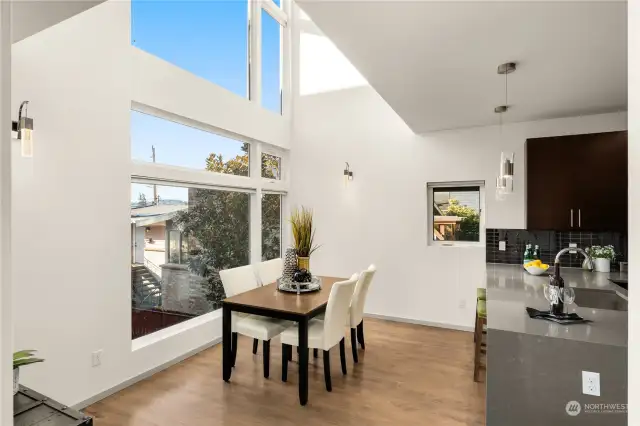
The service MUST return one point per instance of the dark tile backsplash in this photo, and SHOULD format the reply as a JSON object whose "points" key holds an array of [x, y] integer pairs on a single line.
{"points": [[550, 243]]}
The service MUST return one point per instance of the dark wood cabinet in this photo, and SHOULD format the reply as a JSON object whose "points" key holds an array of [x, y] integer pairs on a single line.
{"points": [[577, 182]]}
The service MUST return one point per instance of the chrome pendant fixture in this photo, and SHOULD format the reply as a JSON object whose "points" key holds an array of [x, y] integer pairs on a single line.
{"points": [[504, 181]]}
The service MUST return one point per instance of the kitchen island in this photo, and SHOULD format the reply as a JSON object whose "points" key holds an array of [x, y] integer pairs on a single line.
{"points": [[534, 367]]}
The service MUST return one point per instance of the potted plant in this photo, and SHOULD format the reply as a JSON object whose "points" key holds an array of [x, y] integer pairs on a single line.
{"points": [[303, 235], [602, 257], [22, 358]]}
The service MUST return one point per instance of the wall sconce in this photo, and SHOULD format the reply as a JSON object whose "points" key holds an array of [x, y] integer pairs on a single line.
{"points": [[348, 174], [24, 127]]}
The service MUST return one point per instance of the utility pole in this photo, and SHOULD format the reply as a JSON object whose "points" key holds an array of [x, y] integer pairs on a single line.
{"points": [[155, 188]]}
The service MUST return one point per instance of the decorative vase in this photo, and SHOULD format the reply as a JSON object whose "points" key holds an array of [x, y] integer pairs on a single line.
{"points": [[602, 265], [16, 380], [303, 263], [290, 265]]}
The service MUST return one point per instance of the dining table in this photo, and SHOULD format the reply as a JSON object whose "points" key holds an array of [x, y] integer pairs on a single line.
{"points": [[270, 302]]}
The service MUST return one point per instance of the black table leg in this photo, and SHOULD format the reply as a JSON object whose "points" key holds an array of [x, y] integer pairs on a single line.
{"points": [[303, 360], [234, 348], [226, 343], [266, 355]]}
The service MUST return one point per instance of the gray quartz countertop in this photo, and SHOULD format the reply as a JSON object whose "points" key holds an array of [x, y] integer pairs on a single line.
{"points": [[510, 289]]}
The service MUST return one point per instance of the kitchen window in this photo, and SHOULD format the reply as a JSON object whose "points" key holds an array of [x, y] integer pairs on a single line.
{"points": [[456, 213]]}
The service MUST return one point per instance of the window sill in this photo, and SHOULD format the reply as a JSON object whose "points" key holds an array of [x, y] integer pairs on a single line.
{"points": [[458, 245], [153, 338]]}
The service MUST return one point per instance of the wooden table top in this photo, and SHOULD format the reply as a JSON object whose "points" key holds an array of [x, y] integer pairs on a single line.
{"points": [[269, 297]]}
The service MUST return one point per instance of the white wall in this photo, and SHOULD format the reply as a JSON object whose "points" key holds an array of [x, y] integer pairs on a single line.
{"points": [[71, 245], [634, 205], [381, 216]]}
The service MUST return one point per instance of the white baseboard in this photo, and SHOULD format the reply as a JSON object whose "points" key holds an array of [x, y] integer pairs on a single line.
{"points": [[102, 395], [421, 322]]}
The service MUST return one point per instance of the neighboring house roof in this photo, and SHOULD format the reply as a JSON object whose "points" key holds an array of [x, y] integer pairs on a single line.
{"points": [[144, 216], [446, 219]]}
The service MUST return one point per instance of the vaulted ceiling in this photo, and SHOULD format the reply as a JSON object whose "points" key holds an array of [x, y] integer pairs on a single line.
{"points": [[30, 17], [435, 62]]}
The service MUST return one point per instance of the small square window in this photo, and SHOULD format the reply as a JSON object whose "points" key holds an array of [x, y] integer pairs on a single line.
{"points": [[456, 213], [271, 166]]}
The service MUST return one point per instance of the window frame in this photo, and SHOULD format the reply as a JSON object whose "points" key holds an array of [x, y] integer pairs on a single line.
{"points": [[430, 186], [143, 172], [254, 25], [254, 184], [183, 121], [281, 14], [277, 152], [282, 230]]}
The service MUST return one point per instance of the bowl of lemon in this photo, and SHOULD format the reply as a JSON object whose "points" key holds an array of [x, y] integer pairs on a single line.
{"points": [[536, 267]]}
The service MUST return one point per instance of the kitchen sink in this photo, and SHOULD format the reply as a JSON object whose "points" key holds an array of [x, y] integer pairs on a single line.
{"points": [[599, 299], [622, 283]]}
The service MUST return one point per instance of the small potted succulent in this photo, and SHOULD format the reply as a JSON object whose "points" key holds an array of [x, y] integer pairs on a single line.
{"points": [[22, 358], [602, 257]]}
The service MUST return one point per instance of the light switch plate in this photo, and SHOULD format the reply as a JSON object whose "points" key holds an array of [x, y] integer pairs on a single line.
{"points": [[502, 245], [590, 383], [573, 245]]}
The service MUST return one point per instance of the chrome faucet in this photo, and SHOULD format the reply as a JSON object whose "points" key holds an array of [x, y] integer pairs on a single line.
{"points": [[579, 250], [556, 282]]}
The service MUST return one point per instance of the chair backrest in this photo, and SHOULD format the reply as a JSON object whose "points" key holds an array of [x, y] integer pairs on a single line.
{"points": [[238, 280], [337, 311], [269, 271], [359, 296]]}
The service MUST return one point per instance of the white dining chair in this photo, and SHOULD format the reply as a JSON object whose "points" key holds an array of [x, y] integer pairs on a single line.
{"points": [[324, 334], [269, 271], [355, 320], [236, 281], [356, 311]]}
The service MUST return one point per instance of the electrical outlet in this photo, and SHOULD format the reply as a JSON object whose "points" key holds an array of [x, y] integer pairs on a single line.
{"points": [[462, 304], [502, 245], [96, 358], [573, 245], [590, 383]]}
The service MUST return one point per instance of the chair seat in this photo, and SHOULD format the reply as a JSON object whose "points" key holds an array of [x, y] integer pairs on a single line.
{"points": [[258, 327], [481, 293], [315, 335]]}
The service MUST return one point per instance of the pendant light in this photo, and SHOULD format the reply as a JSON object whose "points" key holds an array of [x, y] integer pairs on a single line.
{"points": [[504, 181]]}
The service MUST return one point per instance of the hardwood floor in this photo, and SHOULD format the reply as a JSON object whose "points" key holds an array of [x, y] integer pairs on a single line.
{"points": [[408, 375]]}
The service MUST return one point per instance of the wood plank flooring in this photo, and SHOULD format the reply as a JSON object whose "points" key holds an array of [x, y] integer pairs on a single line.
{"points": [[408, 375]]}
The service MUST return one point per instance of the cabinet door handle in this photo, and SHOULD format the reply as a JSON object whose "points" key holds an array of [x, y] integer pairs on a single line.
{"points": [[579, 219], [572, 218]]}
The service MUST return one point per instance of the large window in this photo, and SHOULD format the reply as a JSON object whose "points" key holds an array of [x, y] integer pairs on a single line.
{"points": [[179, 244], [206, 38], [162, 141], [455, 212], [271, 63], [271, 226]]}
